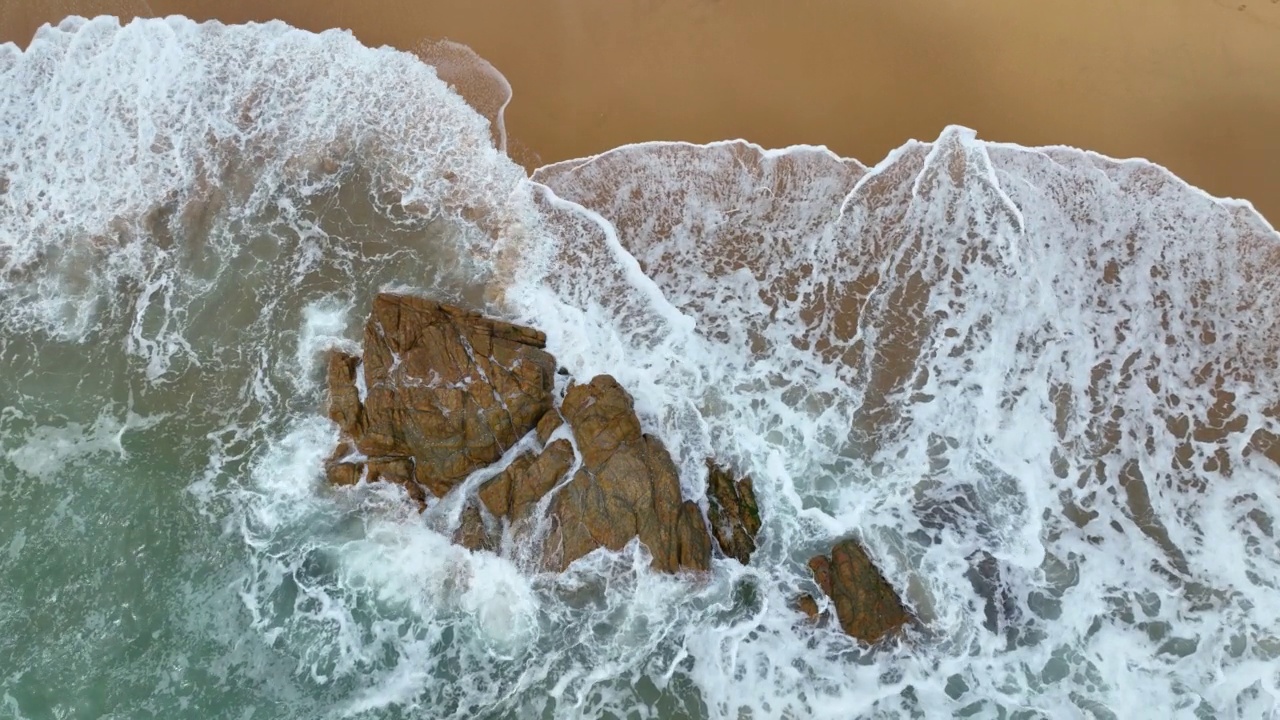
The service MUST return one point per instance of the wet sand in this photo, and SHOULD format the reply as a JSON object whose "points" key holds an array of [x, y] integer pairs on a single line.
{"points": [[1192, 84]]}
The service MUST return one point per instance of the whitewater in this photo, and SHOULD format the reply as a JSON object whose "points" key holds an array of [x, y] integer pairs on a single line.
{"points": [[1058, 361]]}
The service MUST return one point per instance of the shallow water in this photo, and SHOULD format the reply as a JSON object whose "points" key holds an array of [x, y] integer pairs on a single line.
{"points": [[1064, 360]]}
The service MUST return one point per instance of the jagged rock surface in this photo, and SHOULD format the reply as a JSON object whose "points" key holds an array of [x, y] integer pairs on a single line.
{"points": [[515, 492], [732, 510], [474, 533], [442, 392], [448, 391], [627, 487], [865, 604]]}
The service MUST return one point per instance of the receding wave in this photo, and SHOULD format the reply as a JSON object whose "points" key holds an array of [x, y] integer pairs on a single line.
{"points": [[1063, 362]]}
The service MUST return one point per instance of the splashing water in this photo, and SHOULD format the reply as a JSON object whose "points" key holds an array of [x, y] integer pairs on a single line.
{"points": [[1058, 362]]}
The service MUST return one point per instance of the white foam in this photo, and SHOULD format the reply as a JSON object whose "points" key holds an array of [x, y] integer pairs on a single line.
{"points": [[241, 190], [424, 570], [999, 278], [199, 127], [325, 327], [44, 450], [478, 82]]}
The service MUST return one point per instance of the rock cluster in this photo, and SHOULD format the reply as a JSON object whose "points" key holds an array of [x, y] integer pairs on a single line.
{"points": [[441, 392]]}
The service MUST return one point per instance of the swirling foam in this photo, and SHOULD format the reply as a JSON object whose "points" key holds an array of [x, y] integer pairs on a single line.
{"points": [[1069, 359]]}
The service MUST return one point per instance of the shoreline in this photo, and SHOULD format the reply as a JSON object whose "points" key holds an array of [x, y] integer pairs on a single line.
{"points": [[1188, 85]]}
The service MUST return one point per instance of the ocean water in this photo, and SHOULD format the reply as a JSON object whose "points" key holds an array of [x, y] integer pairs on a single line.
{"points": [[1062, 360]]}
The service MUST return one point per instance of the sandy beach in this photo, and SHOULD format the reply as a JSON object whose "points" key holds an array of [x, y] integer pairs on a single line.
{"points": [[1190, 84]]}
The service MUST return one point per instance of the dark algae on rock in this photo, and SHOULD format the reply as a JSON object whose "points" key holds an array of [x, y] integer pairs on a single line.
{"points": [[732, 510]]}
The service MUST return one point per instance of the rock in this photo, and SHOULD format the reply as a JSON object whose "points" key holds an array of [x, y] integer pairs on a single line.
{"points": [[398, 470], [448, 391], [473, 532], [627, 487], [547, 425], [495, 494], [514, 492], [692, 541], [441, 392], [866, 605], [341, 473], [344, 398], [732, 510], [807, 605]]}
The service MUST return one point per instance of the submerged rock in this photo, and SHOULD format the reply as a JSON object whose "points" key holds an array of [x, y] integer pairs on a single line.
{"points": [[957, 509], [865, 604], [732, 510], [442, 392], [627, 487], [1000, 607], [445, 392]]}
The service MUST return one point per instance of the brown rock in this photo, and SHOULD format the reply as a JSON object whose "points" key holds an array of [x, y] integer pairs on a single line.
{"points": [[473, 533], [341, 473], [692, 542], [732, 510], [398, 470], [627, 487], [515, 491], [865, 603], [820, 566], [495, 494], [344, 399], [549, 424], [448, 390], [807, 605]]}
